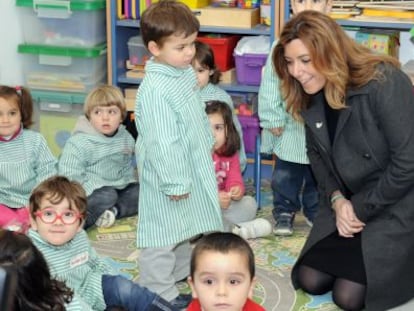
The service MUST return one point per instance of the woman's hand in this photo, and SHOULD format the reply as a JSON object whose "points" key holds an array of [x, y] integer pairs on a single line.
{"points": [[224, 199], [347, 222], [276, 131], [236, 193]]}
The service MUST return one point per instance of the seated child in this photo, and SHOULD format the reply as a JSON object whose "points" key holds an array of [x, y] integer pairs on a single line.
{"points": [[25, 158], [30, 284], [100, 156], [208, 77], [57, 211], [222, 271], [238, 210]]}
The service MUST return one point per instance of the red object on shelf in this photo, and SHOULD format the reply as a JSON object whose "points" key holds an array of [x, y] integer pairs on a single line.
{"points": [[223, 47]]}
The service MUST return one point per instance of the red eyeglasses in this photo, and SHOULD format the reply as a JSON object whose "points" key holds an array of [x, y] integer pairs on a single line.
{"points": [[50, 216]]}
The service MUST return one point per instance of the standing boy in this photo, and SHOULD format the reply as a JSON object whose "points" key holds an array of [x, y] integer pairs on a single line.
{"points": [[179, 197], [222, 274], [293, 183]]}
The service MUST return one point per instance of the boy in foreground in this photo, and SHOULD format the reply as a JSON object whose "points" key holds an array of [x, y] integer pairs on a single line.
{"points": [[222, 274]]}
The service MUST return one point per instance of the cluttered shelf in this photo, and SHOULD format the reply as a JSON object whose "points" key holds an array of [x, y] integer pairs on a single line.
{"points": [[232, 87], [259, 29], [401, 25]]}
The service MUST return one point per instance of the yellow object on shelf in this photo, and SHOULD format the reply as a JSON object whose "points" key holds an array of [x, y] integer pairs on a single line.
{"points": [[389, 13], [195, 4]]}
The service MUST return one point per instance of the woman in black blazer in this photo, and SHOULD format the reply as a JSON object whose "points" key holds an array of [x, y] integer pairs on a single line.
{"points": [[358, 110]]}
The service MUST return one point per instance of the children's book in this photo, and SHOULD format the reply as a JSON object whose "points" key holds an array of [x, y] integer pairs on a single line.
{"points": [[120, 9]]}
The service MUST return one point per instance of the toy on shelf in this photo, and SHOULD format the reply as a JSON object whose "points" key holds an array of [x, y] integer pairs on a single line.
{"points": [[244, 110]]}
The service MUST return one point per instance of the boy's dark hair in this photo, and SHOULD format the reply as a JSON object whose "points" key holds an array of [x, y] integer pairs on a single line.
{"points": [[35, 289], [22, 97], [222, 242], [232, 144], [57, 188], [167, 17], [205, 57]]}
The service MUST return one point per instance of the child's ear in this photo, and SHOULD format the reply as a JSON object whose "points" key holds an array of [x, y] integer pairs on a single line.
{"points": [[193, 290], [153, 48], [252, 285], [33, 223], [81, 224], [211, 72]]}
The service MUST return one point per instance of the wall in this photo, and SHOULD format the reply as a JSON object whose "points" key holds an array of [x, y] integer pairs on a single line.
{"points": [[10, 36]]}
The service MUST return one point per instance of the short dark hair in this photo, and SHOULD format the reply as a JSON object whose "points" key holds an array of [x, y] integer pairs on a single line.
{"points": [[223, 242], [232, 144], [57, 188], [35, 290], [167, 17], [205, 57]]}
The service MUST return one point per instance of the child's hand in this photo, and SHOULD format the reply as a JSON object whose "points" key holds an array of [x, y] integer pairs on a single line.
{"points": [[236, 193], [276, 131], [179, 197], [224, 199]]}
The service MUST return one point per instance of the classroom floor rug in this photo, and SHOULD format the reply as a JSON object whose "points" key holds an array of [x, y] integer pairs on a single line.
{"points": [[274, 256]]}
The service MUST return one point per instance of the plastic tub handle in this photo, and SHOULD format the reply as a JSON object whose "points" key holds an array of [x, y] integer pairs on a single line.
{"points": [[52, 8]]}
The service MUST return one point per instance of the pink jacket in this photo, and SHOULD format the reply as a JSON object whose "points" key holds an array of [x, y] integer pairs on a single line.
{"points": [[228, 173]]}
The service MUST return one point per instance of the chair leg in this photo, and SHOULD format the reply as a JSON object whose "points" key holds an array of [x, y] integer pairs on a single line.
{"points": [[257, 170]]}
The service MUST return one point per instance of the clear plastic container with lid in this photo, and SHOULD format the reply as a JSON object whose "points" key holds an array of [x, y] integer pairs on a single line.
{"points": [[79, 23]]}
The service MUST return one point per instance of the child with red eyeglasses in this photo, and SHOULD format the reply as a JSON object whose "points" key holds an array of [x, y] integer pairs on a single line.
{"points": [[57, 214]]}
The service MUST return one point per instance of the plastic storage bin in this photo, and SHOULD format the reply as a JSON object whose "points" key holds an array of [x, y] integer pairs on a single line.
{"points": [[63, 69], [55, 115], [138, 53], [223, 47], [249, 68], [63, 23], [251, 128]]}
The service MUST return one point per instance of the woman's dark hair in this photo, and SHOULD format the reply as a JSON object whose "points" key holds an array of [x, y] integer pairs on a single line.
{"points": [[205, 57], [232, 144], [35, 290]]}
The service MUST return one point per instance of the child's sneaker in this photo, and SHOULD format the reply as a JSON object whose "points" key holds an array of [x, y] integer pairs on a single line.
{"points": [[106, 220], [181, 301], [256, 228], [284, 224]]}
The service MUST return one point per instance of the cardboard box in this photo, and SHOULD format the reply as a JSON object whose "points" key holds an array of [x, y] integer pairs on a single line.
{"points": [[381, 42], [130, 96], [229, 76], [228, 17], [131, 92]]}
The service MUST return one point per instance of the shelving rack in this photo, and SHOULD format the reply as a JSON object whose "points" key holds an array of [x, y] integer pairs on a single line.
{"points": [[120, 30]]}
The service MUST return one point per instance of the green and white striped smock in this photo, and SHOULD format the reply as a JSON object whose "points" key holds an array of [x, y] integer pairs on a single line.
{"points": [[214, 92], [95, 160], [290, 146], [78, 265], [174, 148], [25, 161]]}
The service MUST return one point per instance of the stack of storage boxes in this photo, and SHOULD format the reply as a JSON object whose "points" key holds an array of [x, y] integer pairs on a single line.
{"points": [[64, 57]]}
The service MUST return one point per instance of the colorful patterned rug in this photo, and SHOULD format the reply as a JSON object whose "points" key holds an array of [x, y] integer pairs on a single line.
{"points": [[274, 259]]}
